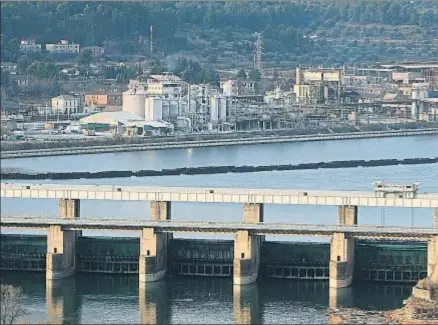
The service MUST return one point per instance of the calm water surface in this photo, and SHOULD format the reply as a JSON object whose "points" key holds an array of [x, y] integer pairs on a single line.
{"points": [[115, 299]]}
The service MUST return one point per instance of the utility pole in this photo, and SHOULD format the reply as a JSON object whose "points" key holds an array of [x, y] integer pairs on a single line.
{"points": [[258, 48], [151, 38]]}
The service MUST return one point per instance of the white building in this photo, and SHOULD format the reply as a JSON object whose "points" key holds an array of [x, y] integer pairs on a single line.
{"points": [[167, 85], [96, 51], [238, 87], [63, 47], [65, 104], [29, 46]]}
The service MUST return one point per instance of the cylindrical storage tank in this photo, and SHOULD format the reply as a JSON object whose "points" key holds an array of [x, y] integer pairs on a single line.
{"points": [[415, 94], [222, 109], [214, 108], [165, 109], [153, 108], [173, 107], [134, 102]]}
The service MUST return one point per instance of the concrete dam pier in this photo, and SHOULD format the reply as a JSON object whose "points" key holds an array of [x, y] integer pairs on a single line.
{"points": [[245, 258], [378, 261]]}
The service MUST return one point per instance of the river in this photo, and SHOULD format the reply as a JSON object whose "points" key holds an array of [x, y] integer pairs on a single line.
{"points": [[115, 299]]}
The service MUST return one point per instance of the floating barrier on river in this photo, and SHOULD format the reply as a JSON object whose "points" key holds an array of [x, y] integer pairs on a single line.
{"points": [[209, 170]]}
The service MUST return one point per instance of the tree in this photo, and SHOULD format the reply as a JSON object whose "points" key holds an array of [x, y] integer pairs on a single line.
{"points": [[139, 71], [43, 70], [10, 304], [157, 68], [241, 74], [84, 58], [23, 63], [255, 75]]}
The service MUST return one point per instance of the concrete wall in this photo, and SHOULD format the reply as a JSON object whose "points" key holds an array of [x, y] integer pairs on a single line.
{"points": [[253, 213], [61, 253], [341, 261], [432, 259], [246, 257], [69, 209], [347, 215], [160, 210], [153, 255]]}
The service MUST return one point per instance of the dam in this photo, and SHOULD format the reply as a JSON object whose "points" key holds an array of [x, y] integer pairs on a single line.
{"points": [[377, 261]]}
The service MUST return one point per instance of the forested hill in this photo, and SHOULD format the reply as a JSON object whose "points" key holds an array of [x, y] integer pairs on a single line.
{"points": [[325, 31]]}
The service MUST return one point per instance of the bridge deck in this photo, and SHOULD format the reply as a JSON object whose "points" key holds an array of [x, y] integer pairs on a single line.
{"points": [[213, 195], [362, 231]]}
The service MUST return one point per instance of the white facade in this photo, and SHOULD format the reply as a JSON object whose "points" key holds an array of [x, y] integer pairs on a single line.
{"points": [[153, 108], [63, 47], [229, 87], [27, 46], [134, 101], [168, 86], [222, 109], [218, 109], [214, 109], [65, 104]]}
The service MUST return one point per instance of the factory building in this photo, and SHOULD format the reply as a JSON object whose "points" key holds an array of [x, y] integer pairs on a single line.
{"points": [[124, 123], [318, 85], [167, 85], [233, 87], [103, 99], [424, 71]]}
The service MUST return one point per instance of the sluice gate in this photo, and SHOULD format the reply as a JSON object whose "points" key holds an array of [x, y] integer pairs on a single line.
{"points": [[375, 261]]}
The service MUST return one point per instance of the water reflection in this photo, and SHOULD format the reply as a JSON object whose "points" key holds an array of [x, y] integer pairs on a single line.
{"points": [[153, 301], [62, 302], [246, 304], [95, 298]]}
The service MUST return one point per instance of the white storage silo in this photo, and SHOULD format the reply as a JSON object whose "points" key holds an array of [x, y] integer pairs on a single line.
{"points": [[222, 113], [153, 108], [173, 108], [134, 101], [214, 108]]}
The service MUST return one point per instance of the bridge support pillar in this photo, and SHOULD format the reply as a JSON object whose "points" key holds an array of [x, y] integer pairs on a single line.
{"points": [[61, 253], [160, 210], [69, 208], [435, 218], [246, 257], [154, 303], [341, 261], [253, 212], [246, 304], [153, 255], [347, 215], [432, 259]]}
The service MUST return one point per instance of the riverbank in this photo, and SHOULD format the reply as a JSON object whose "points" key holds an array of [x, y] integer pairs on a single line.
{"points": [[172, 143], [415, 311]]}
